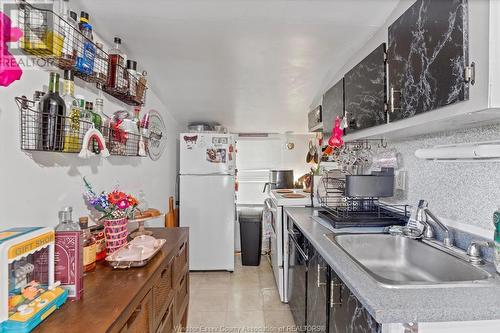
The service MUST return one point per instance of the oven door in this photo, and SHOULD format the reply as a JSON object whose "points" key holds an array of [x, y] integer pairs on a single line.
{"points": [[297, 276]]}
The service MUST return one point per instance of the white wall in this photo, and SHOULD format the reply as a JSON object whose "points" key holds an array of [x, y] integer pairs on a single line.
{"points": [[34, 186]]}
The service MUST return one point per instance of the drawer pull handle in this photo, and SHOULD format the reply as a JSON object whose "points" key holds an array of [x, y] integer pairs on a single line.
{"points": [[182, 280], [163, 272], [318, 282], [134, 315], [181, 248], [333, 285]]}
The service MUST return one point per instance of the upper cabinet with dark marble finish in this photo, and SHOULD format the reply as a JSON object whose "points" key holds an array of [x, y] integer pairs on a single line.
{"points": [[427, 56], [333, 106], [365, 91]]}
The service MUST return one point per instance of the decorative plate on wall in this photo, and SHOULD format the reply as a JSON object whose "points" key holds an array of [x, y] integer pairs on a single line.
{"points": [[157, 135]]}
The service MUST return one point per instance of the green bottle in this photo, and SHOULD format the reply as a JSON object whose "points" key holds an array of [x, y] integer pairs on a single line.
{"points": [[97, 120], [496, 220]]}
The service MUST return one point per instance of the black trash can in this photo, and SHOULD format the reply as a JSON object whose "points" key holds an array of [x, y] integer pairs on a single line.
{"points": [[250, 237]]}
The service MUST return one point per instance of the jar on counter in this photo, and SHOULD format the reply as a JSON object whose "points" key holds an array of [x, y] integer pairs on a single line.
{"points": [[89, 246]]}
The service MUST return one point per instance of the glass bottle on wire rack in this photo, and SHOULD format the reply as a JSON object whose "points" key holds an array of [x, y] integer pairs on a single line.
{"points": [[72, 119], [85, 61], [53, 111], [85, 115], [116, 70], [132, 78], [68, 27], [100, 65], [97, 120]]}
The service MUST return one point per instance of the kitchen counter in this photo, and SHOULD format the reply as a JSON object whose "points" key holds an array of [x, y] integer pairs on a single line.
{"points": [[111, 296], [388, 305]]}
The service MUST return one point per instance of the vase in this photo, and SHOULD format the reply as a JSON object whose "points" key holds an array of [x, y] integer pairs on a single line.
{"points": [[115, 232]]}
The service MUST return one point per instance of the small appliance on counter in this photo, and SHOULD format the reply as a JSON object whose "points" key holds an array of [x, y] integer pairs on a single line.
{"points": [[279, 179], [28, 292]]}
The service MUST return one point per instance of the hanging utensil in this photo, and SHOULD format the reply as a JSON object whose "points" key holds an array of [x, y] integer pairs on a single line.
{"points": [[310, 153]]}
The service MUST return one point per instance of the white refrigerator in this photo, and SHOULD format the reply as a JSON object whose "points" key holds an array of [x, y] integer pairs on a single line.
{"points": [[207, 199]]}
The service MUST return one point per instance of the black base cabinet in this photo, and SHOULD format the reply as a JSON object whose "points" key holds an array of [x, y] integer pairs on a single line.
{"points": [[346, 313], [317, 292]]}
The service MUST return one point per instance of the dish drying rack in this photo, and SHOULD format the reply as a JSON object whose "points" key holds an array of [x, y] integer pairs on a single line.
{"points": [[343, 211]]}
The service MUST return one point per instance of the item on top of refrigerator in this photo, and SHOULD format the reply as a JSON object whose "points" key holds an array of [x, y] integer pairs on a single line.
{"points": [[69, 252], [89, 246], [116, 68], [68, 27], [53, 111], [31, 293], [200, 127]]}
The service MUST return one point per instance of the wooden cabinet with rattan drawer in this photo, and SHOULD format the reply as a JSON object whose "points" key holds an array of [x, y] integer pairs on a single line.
{"points": [[149, 299]]}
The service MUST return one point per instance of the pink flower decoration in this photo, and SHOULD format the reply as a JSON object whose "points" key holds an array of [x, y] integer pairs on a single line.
{"points": [[9, 68], [123, 204]]}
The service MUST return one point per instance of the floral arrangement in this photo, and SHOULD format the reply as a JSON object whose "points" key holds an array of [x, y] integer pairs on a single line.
{"points": [[113, 205]]}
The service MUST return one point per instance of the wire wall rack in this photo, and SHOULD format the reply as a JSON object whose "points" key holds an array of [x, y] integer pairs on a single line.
{"points": [[49, 36], [55, 133]]}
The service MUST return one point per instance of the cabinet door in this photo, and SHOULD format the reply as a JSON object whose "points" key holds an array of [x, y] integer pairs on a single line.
{"points": [[347, 314], [317, 279], [297, 280], [333, 107], [365, 92], [427, 55]]}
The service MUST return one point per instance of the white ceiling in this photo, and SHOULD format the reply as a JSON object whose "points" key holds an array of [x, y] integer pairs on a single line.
{"points": [[252, 65]]}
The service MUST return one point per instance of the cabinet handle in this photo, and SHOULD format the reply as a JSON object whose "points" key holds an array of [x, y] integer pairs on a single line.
{"points": [[332, 287], [134, 316], [181, 248], [318, 282], [163, 272], [182, 280], [164, 319], [393, 92]]}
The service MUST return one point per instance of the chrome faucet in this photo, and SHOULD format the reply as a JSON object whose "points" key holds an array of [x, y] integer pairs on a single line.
{"points": [[423, 213]]}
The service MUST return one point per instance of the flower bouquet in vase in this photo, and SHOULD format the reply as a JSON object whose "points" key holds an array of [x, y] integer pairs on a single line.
{"points": [[116, 207]]}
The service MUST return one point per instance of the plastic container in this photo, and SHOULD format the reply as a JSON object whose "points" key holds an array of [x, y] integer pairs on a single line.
{"points": [[250, 237]]}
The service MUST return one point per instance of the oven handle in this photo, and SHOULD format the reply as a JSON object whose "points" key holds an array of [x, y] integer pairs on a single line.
{"points": [[296, 244]]}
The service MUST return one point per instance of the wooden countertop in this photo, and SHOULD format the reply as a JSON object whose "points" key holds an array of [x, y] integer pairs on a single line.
{"points": [[109, 294]]}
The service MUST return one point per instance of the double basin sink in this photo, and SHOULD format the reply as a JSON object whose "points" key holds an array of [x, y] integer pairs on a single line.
{"points": [[400, 262]]}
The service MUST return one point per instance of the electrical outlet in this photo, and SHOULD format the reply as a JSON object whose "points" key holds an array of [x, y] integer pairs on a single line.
{"points": [[401, 180]]}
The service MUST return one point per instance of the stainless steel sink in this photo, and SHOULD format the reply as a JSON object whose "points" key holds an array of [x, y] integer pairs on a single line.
{"points": [[396, 261]]}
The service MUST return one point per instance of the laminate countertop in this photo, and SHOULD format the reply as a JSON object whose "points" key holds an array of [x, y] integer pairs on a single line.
{"points": [[402, 305], [108, 293]]}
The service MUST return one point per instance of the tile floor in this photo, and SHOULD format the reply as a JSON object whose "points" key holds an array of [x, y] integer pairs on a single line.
{"points": [[245, 300]]}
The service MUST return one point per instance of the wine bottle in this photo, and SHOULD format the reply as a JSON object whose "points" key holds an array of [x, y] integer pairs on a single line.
{"points": [[53, 111]]}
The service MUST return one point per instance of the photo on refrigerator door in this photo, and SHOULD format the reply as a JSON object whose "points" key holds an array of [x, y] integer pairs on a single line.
{"points": [[216, 155]]}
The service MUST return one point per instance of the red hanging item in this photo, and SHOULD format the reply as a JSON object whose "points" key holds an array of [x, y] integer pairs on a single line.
{"points": [[335, 139]]}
